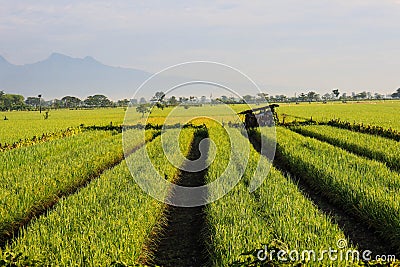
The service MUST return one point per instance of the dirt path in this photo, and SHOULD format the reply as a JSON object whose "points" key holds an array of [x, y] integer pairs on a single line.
{"points": [[355, 230], [181, 243]]}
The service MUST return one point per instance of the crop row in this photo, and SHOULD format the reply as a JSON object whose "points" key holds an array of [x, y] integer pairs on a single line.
{"points": [[108, 221], [364, 188], [369, 129], [45, 137], [26, 124], [276, 215], [370, 146], [32, 179], [376, 113]]}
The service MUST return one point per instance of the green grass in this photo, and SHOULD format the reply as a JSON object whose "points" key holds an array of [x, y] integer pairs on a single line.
{"points": [[108, 221], [378, 113], [111, 218], [26, 124], [370, 146], [173, 115], [276, 215], [34, 177], [364, 188]]}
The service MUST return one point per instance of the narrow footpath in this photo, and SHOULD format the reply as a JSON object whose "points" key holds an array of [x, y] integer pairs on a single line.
{"points": [[181, 242]]}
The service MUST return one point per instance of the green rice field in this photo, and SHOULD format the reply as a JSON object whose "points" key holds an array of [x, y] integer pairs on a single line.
{"points": [[87, 197]]}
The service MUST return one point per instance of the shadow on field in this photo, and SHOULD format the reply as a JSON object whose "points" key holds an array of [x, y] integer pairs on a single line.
{"points": [[358, 233], [180, 241]]}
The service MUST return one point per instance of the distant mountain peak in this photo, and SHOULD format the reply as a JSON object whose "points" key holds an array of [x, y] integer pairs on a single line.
{"points": [[64, 58], [60, 75], [3, 60], [91, 59], [57, 55]]}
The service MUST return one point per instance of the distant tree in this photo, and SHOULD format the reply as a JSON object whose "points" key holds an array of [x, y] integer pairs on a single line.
{"points": [[143, 108], [134, 101], [193, 99], [278, 98], [326, 97], [71, 101], [32, 101], [362, 95], [11, 102], [396, 94], [247, 98], [2, 100], [302, 97], [57, 103], [97, 101], [312, 96], [262, 97], [203, 99], [123, 103], [158, 100], [159, 96], [378, 96], [183, 99], [173, 101], [224, 98]]}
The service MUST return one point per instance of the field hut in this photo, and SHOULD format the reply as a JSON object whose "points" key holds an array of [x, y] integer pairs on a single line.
{"points": [[264, 116]]}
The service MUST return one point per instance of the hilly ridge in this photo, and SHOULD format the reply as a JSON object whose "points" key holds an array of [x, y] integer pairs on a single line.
{"points": [[61, 75]]}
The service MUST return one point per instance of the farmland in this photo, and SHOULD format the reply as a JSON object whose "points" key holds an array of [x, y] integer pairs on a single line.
{"points": [[99, 197], [379, 113], [26, 124]]}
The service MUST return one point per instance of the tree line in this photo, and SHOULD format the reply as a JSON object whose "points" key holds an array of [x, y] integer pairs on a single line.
{"points": [[18, 102], [312, 96], [160, 100]]}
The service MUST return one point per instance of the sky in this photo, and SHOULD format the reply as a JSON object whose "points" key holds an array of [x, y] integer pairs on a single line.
{"points": [[285, 46]]}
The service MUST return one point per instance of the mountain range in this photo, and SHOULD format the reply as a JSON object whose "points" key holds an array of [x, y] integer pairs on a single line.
{"points": [[60, 75]]}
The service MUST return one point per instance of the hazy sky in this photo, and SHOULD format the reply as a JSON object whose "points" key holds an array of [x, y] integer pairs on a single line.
{"points": [[353, 45]]}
